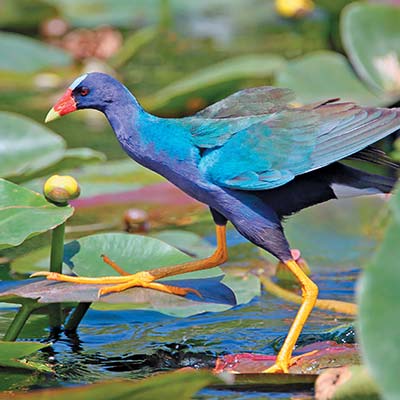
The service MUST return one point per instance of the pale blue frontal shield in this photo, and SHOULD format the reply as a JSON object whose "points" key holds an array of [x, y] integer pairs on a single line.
{"points": [[77, 81]]}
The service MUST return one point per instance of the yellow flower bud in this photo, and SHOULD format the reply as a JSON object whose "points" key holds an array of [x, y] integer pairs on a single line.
{"points": [[60, 189], [294, 8]]}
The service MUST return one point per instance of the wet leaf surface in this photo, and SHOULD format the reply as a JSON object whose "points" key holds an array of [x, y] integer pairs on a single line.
{"points": [[311, 359]]}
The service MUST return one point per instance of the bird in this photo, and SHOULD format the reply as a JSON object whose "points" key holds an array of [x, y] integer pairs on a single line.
{"points": [[255, 158]]}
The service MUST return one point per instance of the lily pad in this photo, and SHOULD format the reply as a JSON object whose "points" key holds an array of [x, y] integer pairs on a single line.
{"points": [[371, 36], [23, 54], [188, 242], [24, 214], [135, 253], [13, 355], [325, 75], [26, 146], [170, 386], [379, 299], [29, 149]]}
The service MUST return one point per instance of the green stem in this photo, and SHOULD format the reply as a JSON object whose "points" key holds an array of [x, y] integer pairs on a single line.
{"points": [[56, 260], [19, 321], [77, 316], [165, 15]]}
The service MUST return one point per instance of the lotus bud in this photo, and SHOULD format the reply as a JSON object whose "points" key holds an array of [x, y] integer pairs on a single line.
{"points": [[60, 189], [294, 8]]}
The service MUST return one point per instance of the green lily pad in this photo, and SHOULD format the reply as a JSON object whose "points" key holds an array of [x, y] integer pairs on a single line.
{"points": [[325, 75], [24, 54], [169, 386], [188, 242], [135, 253], [371, 36], [241, 67], [29, 150], [379, 299], [26, 146], [24, 214], [12, 355]]}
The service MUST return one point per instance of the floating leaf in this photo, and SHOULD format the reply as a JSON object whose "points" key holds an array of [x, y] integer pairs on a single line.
{"points": [[169, 386], [371, 36], [325, 75], [24, 214], [188, 242], [379, 299], [242, 67], [135, 253], [12, 355], [23, 54], [308, 360]]}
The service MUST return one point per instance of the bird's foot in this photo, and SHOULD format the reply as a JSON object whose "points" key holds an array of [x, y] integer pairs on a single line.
{"points": [[282, 366], [119, 283]]}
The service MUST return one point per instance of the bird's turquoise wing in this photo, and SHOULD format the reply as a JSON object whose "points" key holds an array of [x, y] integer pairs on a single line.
{"points": [[263, 152]]}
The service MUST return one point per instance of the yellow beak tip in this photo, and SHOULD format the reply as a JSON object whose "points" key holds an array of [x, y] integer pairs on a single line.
{"points": [[52, 115]]}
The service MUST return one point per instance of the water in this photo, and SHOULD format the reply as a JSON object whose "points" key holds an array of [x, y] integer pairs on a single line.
{"points": [[134, 343]]}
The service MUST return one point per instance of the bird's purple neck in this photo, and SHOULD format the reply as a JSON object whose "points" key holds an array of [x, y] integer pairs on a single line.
{"points": [[125, 116]]}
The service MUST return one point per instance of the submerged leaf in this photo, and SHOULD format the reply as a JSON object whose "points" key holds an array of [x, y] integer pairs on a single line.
{"points": [[12, 355]]}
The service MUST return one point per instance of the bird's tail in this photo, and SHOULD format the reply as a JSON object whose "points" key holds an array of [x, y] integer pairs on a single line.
{"points": [[358, 183]]}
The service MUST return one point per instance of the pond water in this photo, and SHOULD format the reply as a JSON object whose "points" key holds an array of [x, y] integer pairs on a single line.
{"points": [[135, 343]]}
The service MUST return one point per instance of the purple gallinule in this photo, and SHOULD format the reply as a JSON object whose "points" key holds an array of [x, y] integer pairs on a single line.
{"points": [[253, 158]]}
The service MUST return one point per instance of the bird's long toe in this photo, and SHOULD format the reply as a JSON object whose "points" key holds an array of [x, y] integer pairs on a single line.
{"points": [[135, 282]]}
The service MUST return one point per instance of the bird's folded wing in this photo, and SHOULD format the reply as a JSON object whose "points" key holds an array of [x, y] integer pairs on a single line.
{"points": [[266, 151], [249, 102]]}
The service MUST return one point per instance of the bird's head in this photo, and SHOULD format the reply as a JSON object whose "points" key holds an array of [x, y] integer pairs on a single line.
{"points": [[93, 90]]}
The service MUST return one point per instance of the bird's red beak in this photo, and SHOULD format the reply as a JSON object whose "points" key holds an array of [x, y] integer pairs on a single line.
{"points": [[63, 106]]}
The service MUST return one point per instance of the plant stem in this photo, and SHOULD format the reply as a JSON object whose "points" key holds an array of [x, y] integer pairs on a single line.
{"points": [[76, 317], [56, 260], [19, 321]]}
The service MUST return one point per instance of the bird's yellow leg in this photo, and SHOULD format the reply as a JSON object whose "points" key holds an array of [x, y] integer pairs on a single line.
{"points": [[146, 278], [309, 297]]}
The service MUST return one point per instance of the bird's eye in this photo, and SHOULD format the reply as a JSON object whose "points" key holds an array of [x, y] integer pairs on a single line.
{"points": [[84, 91]]}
